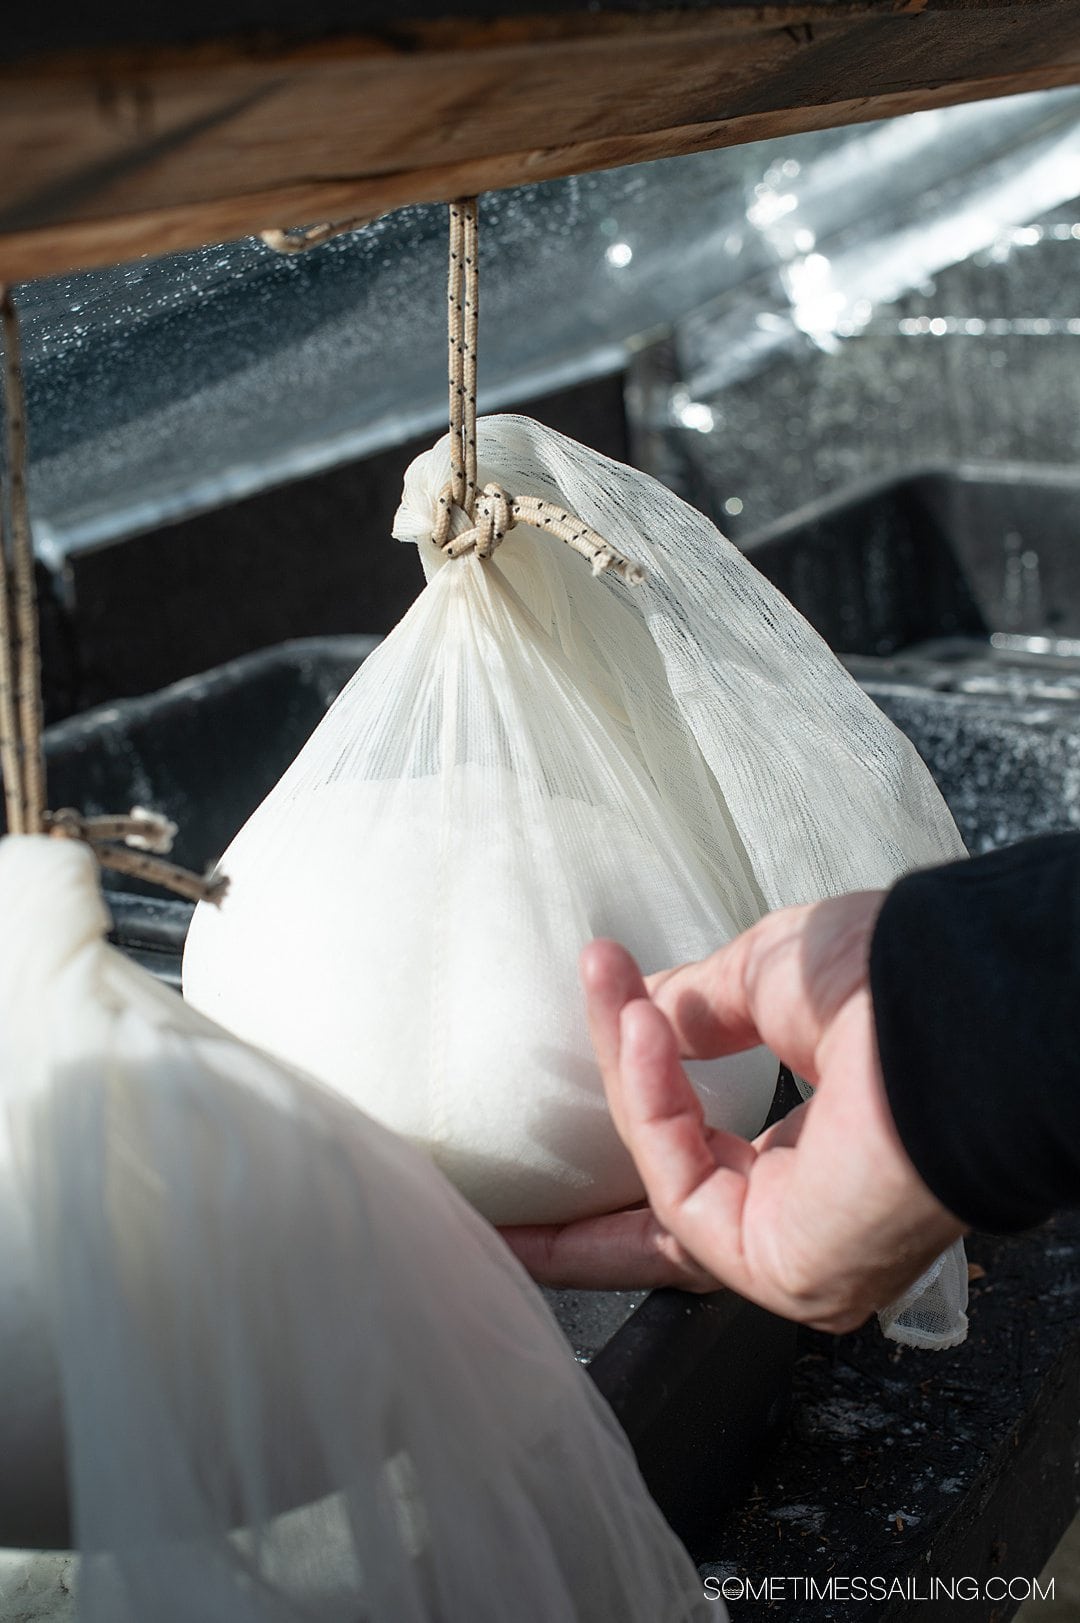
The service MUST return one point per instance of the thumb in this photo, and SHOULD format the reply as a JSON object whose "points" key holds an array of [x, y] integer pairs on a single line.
{"points": [[781, 983], [707, 1003]]}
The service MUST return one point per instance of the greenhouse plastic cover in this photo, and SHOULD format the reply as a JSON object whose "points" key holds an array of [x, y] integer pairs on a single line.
{"points": [[169, 385]]}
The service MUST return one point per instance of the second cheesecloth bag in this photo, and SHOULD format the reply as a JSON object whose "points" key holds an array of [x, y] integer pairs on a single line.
{"points": [[301, 1380], [538, 755]]}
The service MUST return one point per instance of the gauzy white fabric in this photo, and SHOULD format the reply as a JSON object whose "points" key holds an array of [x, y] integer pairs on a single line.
{"points": [[302, 1379], [534, 757]]}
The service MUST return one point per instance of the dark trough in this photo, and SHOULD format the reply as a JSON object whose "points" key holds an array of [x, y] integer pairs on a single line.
{"points": [[940, 1482]]}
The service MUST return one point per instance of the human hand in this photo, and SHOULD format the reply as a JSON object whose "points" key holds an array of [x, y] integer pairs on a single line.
{"points": [[822, 1218]]}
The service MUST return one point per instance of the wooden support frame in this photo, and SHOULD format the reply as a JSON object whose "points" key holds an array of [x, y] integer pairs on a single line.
{"points": [[120, 150]]}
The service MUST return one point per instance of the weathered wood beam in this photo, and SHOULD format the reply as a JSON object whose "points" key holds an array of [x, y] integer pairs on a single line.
{"points": [[111, 153]]}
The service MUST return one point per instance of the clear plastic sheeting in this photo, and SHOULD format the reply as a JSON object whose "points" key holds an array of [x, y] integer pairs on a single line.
{"points": [[168, 385], [941, 193], [533, 757], [946, 338], [302, 1380]]}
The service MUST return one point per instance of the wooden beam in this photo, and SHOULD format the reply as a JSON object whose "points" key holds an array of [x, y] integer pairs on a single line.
{"points": [[118, 152], [72, 25]]}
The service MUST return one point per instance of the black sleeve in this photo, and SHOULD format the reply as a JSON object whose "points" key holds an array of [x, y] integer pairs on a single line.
{"points": [[975, 978]]}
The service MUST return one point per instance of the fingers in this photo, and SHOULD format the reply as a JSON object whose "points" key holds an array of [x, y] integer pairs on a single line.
{"points": [[662, 1115], [780, 983], [695, 1177], [611, 979], [785, 1132], [621, 1251], [773, 1220], [708, 1004], [659, 1118]]}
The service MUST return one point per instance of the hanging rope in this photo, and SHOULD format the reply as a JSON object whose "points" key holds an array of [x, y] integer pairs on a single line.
{"points": [[10, 761], [24, 596], [463, 312], [132, 844], [494, 512]]}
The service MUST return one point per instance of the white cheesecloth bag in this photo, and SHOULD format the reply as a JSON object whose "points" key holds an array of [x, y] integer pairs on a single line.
{"points": [[302, 1380], [534, 757]]}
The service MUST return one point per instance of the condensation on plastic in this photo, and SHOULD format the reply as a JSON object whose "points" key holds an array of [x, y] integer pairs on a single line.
{"points": [[167, 385], [522, 721], [301, 1378], [826, 286], [932, 337]]}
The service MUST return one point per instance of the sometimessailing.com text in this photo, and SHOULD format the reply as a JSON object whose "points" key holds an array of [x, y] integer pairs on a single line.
{"points": [[857, 1587]]}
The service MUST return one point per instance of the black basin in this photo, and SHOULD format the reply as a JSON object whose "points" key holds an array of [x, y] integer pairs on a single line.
{"points": [[953, 596], [975, 551], [206, 750]]}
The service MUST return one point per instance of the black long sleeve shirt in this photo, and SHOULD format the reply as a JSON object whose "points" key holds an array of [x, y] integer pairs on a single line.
{"points": [[975, 978]]}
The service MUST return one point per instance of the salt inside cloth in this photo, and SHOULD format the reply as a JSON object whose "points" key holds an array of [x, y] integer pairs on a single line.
{"points": [[301, 1378], [531, 758]]}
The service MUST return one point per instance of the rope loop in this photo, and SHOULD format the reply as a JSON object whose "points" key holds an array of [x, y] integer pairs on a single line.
{"points": [[444, 517], [497, 513], [134, 845], [494, 516], [141, 829]]}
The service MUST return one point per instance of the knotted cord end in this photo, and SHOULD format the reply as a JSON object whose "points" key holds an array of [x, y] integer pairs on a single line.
{"points": [[134, 845], [151, 831], [631, 573], [497, 513]]}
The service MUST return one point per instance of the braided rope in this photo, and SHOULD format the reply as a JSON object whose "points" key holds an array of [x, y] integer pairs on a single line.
{"points": [[135, 845], [132, 844], [10, 757], [27, 661], [492, 513], [470, 325], [462, 321], [141, 829], [497, 513]]}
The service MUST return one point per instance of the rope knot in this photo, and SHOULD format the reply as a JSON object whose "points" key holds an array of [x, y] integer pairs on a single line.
{"points": [[139, 829], [134, 844], [468, 521], [494, 516], [451, 519], [497, 512]]}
